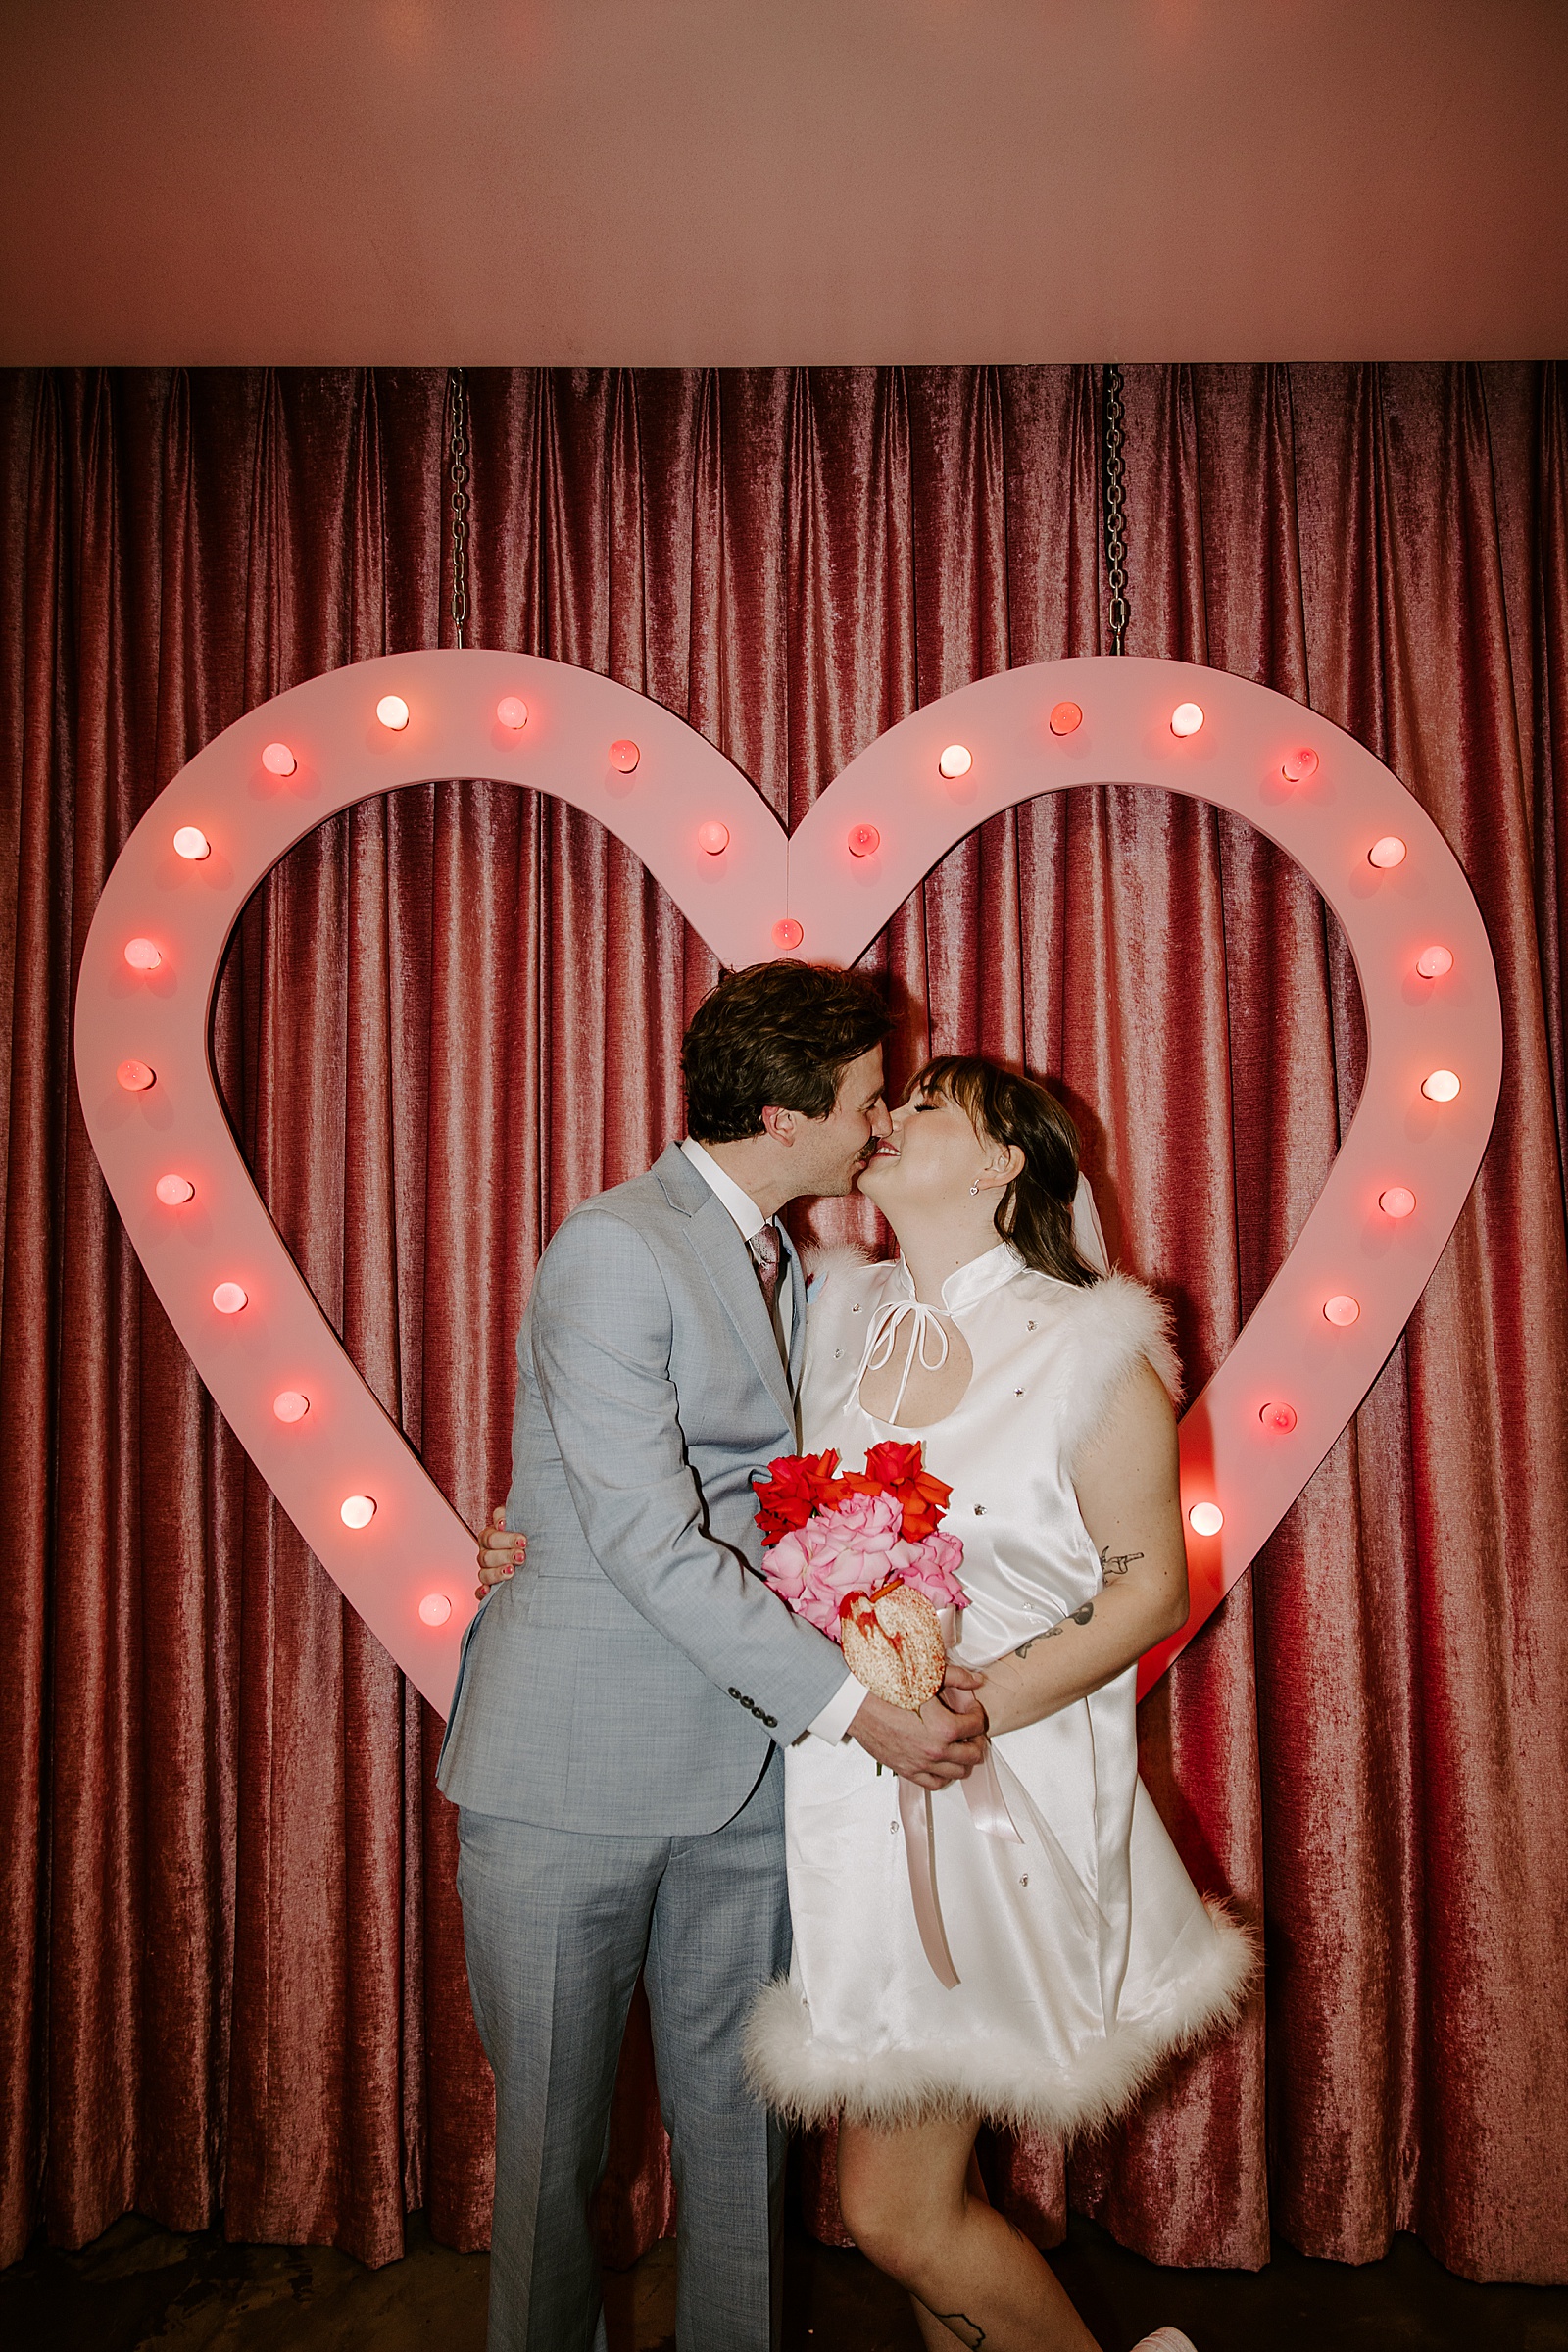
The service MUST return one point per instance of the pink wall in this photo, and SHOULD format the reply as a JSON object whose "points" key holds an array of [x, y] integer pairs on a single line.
{"points": [[782, 179]]}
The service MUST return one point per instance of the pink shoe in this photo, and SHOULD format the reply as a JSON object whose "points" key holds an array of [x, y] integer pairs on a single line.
{"points": [[1165, 2339]]}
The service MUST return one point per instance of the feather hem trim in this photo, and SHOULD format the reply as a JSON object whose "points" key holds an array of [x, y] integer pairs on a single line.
{"points": [[1002, 2080]]}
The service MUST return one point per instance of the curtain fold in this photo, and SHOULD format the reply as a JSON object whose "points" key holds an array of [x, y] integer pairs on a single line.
{"points": [[227, 1919]]}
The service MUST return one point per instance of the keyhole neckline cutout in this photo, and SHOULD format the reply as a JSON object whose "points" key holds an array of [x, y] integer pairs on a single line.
{"points": [[922, 1345]]}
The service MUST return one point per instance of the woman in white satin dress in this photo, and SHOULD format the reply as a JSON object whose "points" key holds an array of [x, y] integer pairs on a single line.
{"points": [[1061, 1953]]}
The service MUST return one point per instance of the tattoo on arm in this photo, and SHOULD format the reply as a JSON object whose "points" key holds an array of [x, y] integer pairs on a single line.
{"points": [[1111, 1564], [963, 2328], [1078, 1617]]}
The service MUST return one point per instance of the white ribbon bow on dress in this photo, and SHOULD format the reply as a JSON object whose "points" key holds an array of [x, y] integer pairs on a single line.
{"points": [[882, 1340]]}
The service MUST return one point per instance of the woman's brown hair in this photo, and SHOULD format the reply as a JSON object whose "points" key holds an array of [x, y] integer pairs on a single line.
{"points": [[1005, 1107]]}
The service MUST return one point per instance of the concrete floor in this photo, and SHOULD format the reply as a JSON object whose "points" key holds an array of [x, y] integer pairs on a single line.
{"points": [[139, 2286]]}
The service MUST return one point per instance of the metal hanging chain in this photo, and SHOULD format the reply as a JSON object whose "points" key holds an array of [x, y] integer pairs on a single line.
{"points": [[1115, 495], [459, 470]]}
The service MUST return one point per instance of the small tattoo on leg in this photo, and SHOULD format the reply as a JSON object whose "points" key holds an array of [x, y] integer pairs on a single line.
{"points": [[963, 2328]]}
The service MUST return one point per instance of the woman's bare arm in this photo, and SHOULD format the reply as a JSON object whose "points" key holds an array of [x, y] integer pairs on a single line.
{"points": [[1128, 1493]]}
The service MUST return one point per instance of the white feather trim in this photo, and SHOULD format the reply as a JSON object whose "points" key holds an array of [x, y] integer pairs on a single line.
{"points": [[837, 1257], [1003, 2079], [1115, 1324]]}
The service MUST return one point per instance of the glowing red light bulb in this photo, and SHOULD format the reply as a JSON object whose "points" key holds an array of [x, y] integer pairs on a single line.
{"points": [[191, 842], [174, 1191], [393, 712], [1066, 718], [1205, 1518], [1388, 852], [787, 933], [279, 760], [513, 712], [1185, 718], [864, 841], [356, 1510], [435, 1608], [1342, 1310], [290, 1405], [1397, 1202], [956, 760], [714, 838], [1433, 962], [229, 1298], [624, 756], [1439, 1086], [1297, 767], [142, 955], [1281, 1417], [136, 1077]]}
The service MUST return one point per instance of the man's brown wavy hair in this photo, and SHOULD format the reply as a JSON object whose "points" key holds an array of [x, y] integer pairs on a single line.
{"points": [[782, 1033]]}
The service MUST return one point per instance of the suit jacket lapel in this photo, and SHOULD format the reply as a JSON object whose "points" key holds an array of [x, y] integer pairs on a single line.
{"points": [[797, 1282], [717, 1244], [725, 1259]]}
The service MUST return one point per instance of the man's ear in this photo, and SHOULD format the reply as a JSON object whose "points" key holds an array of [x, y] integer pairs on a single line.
{"points": [[779, 1123]]}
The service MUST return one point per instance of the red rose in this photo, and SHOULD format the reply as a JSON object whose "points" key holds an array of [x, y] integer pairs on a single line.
{"points": [[797, 1485], [892, 1464], [923, 1499]]}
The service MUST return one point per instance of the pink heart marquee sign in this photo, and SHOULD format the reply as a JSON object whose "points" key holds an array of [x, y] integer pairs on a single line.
{"points": [[338, 1465]]}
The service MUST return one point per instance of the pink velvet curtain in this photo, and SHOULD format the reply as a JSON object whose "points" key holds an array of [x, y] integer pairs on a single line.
{"points": [[231, 1943]]}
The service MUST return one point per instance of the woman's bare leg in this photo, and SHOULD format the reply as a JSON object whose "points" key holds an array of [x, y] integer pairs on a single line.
{"points": [[911, 2206]]}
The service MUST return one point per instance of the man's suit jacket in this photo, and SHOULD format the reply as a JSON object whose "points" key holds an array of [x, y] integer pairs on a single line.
{"points": [[630, 1677]]}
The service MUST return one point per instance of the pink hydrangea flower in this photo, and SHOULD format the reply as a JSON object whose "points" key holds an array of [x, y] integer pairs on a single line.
{"points": [[856, 1547], [848, 1549], [932, 1567]]}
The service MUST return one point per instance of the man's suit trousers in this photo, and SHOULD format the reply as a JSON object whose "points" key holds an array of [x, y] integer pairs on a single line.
{"points": [[557, 1924]]}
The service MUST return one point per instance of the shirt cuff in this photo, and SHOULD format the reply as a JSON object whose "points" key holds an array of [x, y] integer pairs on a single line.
{"points": [[840, 1712]]}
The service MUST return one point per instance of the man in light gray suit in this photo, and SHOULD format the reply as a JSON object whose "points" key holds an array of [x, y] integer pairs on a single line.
{"points": [[616, 1737]]}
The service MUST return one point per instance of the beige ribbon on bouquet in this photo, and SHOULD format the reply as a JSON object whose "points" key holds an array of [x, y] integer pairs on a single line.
{"points": [[988, 1810]]}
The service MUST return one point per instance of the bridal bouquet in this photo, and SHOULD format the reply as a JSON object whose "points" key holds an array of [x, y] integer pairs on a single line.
{"points": [[863, 1556]]}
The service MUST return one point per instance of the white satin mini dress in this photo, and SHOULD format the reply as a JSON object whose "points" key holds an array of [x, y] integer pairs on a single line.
{"points": [[1083, 1952]]}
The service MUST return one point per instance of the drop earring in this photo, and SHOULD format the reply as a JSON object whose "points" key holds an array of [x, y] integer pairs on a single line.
{"points": [[974, 1189]]}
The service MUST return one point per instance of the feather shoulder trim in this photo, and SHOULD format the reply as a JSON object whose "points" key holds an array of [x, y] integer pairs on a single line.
{"points": [[1115, 1324], [821, 1264]]}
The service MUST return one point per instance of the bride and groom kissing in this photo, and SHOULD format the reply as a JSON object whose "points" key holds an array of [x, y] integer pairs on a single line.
{"points": [[662, 1769]]}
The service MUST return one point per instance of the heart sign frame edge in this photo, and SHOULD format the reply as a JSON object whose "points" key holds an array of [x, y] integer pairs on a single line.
{"points": [[703, 831]]}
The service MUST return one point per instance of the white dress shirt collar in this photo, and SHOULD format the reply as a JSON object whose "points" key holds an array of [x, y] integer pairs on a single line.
{"points": [[742, 1207]]}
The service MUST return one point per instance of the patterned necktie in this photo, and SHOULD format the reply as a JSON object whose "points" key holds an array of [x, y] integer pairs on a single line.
{"points": [[766, 1253]]}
